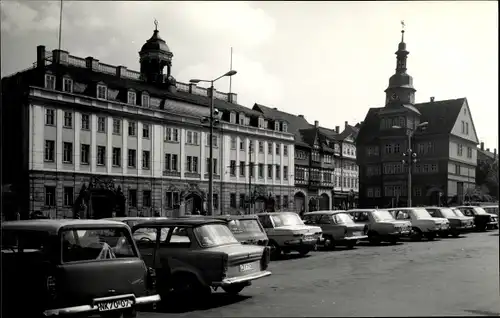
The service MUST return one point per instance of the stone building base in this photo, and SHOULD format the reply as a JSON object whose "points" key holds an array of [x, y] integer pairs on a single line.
{"points": [[186, 189]]}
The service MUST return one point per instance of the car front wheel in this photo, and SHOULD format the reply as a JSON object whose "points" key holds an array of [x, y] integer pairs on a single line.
{"points": [[234, 289]]}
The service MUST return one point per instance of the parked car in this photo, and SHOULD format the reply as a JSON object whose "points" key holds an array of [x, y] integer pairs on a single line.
{"points": [[198, 254], [380, 225], [423, 224], [246, 228], [337, 226], [482, 220], [459, 224], [72, 266], [287, 232], [491, 209], [134, 220]]}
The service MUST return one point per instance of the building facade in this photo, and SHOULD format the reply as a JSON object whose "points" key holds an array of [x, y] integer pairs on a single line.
{"points": [[440, 134], [84, 138]]}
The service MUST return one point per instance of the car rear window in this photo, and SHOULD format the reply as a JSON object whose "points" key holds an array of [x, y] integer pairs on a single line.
{"points": [[96, 244], [15, 241], [244, 226]]}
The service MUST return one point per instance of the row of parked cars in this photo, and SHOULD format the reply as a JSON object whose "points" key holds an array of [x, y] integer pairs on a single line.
{"points": [[114, 267]]}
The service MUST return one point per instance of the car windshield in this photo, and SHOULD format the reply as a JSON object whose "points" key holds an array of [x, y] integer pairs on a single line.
{"points": [[447, 213], [286, 219], [210, 235], [382, 216], [421, 214], [479, 210], [244, 226], [96, 244], [491, 209], [458, 212], [150, 232], [343, 218]]}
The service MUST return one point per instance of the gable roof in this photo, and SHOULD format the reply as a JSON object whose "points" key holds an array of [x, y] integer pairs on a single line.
{"points": [[348, 131]]}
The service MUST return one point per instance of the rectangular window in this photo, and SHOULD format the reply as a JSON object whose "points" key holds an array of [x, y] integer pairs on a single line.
{"points": [[68, 120], [117, 157], [131, 128], [285, 150], [232, 200], [463, 127], [457, 169], [459, 149], [101, 155], [50, 115], [434, 167], [418, 192], [215, 201], [261, 170], [466, 128], [261, 147], [101, 124], [171, 134], [168, 161], [232, 168], [131, 98], [132, 198], [278, 201], [396, 148], [84, 154], [102, 92], [145, 100], [189, 137], [146, 198], [67, 85], [277, 149], [369, 192], [278, 172], [242, 145], [242, 168], [49, 150], [85, 122], [269, 148], [250, 169], [192, 164], [68, 196], [377, 192], [388, 148], [285, 173], [132, 153], [174, 162], [215, 166], [67, 152], [195, 164], [233, 142], [469, 152], [250, 146], [50, 196], [117, 125], [50, 81], [270, 171], [145, 131]]}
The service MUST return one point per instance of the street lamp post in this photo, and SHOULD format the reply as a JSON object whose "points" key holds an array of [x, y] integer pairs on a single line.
{"points": [[412, 158], [212, 121]]}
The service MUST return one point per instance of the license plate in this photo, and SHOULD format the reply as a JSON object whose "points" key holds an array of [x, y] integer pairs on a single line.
{"points": [[114, 304], [246, 267], [308, 238], [357, 233]]}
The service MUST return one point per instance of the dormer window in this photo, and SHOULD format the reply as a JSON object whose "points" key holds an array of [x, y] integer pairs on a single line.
{"points": [[102, 91], [145, 100], [285, 127], [67, 85], [276, 125], [232, 118], [242, 119], [261, 123], [131, 98], [247, 121], [50, 81]]}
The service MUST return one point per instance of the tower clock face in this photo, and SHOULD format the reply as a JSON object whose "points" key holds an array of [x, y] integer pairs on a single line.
{"points": [[394, 96]]}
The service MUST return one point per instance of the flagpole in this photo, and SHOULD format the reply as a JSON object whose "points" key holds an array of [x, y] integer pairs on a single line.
{"points": [[60, 23], [231, 68]]}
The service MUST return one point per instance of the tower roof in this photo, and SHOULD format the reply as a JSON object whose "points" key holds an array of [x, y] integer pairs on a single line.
{"points": [[155, 43]]}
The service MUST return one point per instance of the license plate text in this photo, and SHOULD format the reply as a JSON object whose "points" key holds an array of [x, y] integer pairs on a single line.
{"points": [[114, 304]]}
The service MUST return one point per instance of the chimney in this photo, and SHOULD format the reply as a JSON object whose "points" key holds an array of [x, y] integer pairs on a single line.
{"points": [[316, 123], [488, 149], [482, 145], [432, 99], [91, 63], [121, 71], [275, 108], [301, 116], [337, 129], [40, 56], [59, 57], [346, 124], [232, 98]]}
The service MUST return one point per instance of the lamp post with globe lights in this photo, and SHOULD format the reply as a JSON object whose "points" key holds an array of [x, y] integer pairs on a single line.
{"points": [[410, 156], [212, 120]]}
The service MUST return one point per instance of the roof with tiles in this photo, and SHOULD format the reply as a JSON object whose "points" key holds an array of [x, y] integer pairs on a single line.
{"points": [[440, 115]]}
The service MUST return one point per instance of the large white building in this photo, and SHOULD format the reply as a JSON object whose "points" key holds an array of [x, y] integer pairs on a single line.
{"points": [[91, 137]]}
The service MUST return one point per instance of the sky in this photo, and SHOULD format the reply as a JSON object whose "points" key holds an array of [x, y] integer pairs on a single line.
{"points": [[328, 61]]}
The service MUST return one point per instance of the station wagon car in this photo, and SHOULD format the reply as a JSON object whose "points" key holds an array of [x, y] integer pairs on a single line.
{"points": [[380, 225], [423, 224], [198, 254], [337, 226], [246, 228], [459, 224], [66, 267], [482, 220], [287, 232]]}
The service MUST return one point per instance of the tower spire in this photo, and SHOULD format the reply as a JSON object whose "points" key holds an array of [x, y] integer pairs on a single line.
{"points": [[402, 31]]}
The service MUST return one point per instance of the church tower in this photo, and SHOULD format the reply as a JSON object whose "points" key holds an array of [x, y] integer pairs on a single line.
{"points": [[154, 56]]}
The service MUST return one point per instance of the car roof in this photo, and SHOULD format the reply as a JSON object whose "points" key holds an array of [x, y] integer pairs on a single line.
{"points": [[185, 221], [135, 218], [53, 226], [274, 213], [331, 212], [362, 210]]}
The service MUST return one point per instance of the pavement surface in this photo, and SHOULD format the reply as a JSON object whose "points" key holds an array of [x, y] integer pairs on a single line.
{"points": [[452, 276]]}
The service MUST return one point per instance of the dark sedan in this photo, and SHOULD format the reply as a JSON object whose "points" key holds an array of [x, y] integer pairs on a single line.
{"points": [[482, 220], [459, 224]]}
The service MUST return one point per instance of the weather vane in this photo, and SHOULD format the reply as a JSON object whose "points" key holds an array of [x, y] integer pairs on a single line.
{"points": [[156, 25], [403, 24]]}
